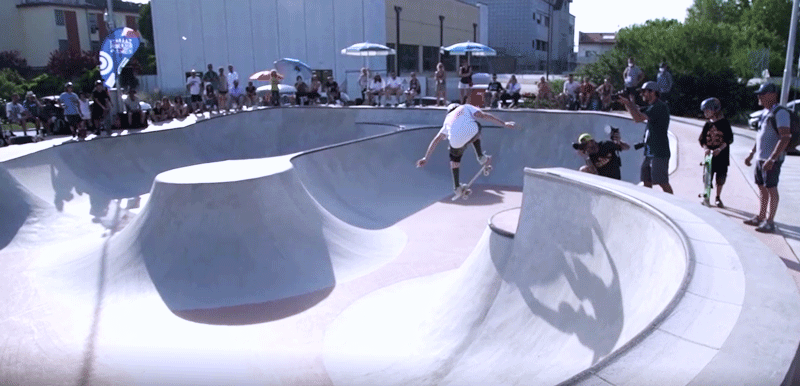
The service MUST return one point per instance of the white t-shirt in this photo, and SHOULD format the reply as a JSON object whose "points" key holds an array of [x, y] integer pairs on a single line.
{"points": [[231, 77], [571, 88], [393, 83], [376, 86], [83, 104], [194, 84], [460, 125]]}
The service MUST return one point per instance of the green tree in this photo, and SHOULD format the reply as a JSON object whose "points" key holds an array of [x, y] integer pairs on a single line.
{"points": [[146, 54], [11, 82]]}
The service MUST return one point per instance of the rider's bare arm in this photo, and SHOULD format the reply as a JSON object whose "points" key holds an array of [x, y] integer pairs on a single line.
{"points": [[435, 141], [490, 117]]}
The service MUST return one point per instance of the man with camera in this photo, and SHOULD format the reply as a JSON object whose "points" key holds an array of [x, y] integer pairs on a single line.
{"points": [[655, 168], [601, 157]]}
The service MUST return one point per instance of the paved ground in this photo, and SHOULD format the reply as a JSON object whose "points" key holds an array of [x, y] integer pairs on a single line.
{"points": [[100, 291]]}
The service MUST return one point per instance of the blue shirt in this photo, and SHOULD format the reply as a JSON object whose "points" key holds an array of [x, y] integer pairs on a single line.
{"points": [[70, 102]]}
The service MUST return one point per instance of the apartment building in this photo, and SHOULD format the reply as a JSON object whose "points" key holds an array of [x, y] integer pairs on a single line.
{"points": [[36, 28]]}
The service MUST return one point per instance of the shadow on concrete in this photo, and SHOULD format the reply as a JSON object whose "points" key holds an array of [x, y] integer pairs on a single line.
{"points": [[14, 208]]}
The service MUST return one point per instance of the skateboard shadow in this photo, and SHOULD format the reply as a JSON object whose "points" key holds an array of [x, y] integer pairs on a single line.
{"points": [[482, 195]]}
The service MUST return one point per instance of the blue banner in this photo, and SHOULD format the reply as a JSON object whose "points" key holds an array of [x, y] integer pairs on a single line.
{"points": [[117, 50]]}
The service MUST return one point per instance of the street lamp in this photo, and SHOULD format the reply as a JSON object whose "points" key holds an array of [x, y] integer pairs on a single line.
{"points": [[397, 10], [441, 35]]}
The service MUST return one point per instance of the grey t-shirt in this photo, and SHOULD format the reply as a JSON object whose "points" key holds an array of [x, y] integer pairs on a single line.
{"points": [[767, 137]]}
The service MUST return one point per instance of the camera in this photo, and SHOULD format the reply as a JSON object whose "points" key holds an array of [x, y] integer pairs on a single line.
{"points": [[621, 94], [614, 132], [578, 146], [638, 145]]}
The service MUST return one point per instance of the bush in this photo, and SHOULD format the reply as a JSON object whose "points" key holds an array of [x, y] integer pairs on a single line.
{"points": [[71, 65], [690, 90], [47, 84], [11, 82], [13, 60]]}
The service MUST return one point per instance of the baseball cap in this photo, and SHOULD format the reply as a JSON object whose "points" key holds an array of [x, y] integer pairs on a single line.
{"points": [[68, 84], [652, 86], [767, 87], [98, 81], [585, 137], [29, 94]]}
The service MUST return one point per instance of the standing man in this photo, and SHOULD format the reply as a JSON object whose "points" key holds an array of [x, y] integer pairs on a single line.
{"points": [[461, 128], [195, 87], [232, 76], [772, 139], [571, 90], [101, 105], [211, 77], [71, 105], [655, 168], [632, 77], [664, 81]]}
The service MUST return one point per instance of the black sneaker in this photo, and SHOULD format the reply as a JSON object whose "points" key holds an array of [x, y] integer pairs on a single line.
{"points": [[755, 221], [718, 202]]}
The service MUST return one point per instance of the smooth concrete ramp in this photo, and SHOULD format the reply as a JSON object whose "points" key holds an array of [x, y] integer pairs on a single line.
{"points": [[302, 246]]}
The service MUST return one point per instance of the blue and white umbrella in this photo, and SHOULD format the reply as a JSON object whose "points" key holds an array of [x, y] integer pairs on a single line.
{"points": [[476, 49], [291, 68], [368, 49]]}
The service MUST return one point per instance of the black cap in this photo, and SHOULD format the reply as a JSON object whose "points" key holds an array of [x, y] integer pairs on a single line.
{"points": [[767, 87]]}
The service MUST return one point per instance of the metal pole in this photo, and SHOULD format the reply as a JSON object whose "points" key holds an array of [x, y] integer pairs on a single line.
{"points": [[112, 24], [441, 35], [787, 69], [549, 41], [397, 10]]}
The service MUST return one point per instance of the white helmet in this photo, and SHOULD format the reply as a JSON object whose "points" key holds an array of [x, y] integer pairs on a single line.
{"points": [[452, 107]]}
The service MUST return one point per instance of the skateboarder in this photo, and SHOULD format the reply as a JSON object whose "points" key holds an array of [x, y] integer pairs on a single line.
{"points": [[461, 128], [715, 138]]}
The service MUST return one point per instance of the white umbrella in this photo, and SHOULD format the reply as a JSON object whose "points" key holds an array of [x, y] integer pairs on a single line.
{"points": [[282, 89], [476, 49], [368, 49], [291, 68]]}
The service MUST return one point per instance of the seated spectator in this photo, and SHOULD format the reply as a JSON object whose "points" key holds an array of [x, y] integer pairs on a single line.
{"points": [[585, 92], [493, 92], [235, 95], [375, 89], [545, 92], [33, 111], [313, 93], [414, 89], [605, 91], [179, 108], [512, 91], [332, 89], [49, 115], [301, 95], [250, 94], [133, 109], [163, 110], [393, 87], [211, 100], [15, 113]]}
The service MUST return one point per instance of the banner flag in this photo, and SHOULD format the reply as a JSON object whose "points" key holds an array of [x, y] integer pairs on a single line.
{"points": [[117, 50]]}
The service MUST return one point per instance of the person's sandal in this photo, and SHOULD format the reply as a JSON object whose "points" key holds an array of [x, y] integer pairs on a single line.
{"points": [[753, 221]]}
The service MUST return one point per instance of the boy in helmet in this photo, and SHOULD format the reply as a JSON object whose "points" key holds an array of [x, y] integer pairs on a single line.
{"points": [[716, 138], [461, 128]]}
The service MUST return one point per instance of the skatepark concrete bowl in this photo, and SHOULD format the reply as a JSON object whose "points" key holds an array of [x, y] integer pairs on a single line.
{"points": [[303, 246]]}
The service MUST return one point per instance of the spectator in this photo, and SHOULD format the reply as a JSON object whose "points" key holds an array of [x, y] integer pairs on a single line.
{"points": [[71, 105], [375, 89], [332, 90], [49, 115], [250, 94], [211, 100], [512, 91], [363, 83], [179, 108], [632, 76], [15, 114], [195, 87], [586, 92], [655, 168], [222, 90], [664, 80], [274, 81], [465, 83], [441, 84], [167, 111], [232, 76], [545, 92], [605, 91], [602, 157], [301, 95], [772, 139], [716, 138], [86, 114], [101, 106], [571, 91], [414, 89], [393, 87], [33, 112], [236, 95], [313, 94], [493, 92], [133, 109], [211, 77]]}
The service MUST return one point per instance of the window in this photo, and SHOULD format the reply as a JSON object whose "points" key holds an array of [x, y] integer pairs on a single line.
{"points": [[95, 46], [60, 17], [430, 57], [547, 21], [408, 57], [93, 22], [63, 45]]}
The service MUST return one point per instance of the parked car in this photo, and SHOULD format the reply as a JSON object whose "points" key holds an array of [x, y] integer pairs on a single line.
{"points": [[755, 116]]}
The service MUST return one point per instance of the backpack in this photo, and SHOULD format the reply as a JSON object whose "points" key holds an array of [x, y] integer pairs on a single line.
{"points": [[794, 127]]}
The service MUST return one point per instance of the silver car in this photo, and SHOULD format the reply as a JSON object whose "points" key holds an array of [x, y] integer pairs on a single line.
{"points": [[755, 116]]}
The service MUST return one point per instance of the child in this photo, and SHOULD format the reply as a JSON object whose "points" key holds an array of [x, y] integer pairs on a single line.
{"points": [[86, 114], [715, 138]]}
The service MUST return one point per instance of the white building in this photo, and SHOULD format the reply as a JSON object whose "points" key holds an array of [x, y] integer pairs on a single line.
{"points": [[592, 45]]}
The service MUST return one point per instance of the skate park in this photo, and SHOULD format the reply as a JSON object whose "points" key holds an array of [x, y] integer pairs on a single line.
{"points": [[303, 246]]}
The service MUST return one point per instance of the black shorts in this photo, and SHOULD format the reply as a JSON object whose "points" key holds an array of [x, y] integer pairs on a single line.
{"points": [[457, 153], [73, 120], [720, 171], [222, 92], [197, 98], [768, 178]]}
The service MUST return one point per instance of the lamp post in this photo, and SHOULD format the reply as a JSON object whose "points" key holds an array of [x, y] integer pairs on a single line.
{"points": [[441, 35], [787, 69], [397, 10]]}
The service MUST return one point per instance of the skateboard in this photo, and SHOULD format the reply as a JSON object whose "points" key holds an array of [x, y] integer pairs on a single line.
{"points": [[485, 170], [707, 182]]}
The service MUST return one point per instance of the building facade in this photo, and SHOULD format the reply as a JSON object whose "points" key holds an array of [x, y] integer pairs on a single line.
{"points": [[251, 35], [36, 28], [592, 45], [520, 28]]}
